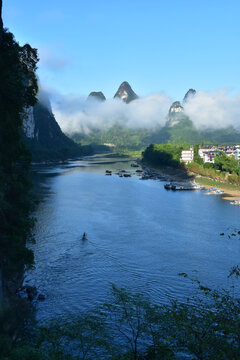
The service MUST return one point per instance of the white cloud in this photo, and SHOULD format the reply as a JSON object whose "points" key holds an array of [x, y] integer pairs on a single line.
{"points": [[215, 110], [74, 113]]}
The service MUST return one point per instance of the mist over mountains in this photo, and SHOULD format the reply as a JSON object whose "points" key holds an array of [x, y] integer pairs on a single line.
{"points": [[206, 110], [128, 120], [126, 109]]}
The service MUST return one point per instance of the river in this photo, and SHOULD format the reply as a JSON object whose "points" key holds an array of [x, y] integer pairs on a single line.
{"points": [[139, 236]]}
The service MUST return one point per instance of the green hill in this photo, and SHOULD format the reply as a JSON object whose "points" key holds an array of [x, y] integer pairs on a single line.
{"points": [[137, 139]]}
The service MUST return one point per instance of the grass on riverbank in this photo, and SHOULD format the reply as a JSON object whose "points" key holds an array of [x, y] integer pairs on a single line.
{"points": [[126, 153], [232, 191], [219, 184]]}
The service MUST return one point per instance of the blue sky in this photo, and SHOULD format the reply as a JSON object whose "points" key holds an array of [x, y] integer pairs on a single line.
{"points": [[155, 45]]}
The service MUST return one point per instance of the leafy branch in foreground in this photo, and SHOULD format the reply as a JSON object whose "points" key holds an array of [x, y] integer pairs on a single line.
{"points": [[130, 327]]}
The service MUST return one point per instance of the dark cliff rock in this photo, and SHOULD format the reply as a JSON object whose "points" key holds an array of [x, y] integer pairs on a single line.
{"points": [[189, 94], [1, 22], [45, 139], [176, 112], [176, 107], [125, 93], [96, 95]]}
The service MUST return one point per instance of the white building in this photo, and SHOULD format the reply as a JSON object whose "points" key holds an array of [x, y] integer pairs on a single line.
{"points": [[237, 154], [208, 153], [202, 150], [230, 153], [187, 155], [208, 156]]}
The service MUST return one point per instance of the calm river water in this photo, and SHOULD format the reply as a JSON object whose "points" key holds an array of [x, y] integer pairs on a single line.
{"points": [[139, 236]]}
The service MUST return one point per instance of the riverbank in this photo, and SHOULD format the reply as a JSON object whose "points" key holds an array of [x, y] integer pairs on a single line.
{"points": [[169, 173], [231, 191], [126, 153]]}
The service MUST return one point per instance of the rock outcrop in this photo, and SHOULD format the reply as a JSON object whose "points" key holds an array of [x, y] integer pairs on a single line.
{"points": [[125, 93], [43, 135], [96, 95], [176, 112], [189, 94]]}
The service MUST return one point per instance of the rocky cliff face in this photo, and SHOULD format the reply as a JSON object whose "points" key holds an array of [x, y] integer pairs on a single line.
{"points": [[176, 111], [125, 93], [189, 94], [43, 135], [175, 108], [96, 95], [29, 123], [1, 22]]}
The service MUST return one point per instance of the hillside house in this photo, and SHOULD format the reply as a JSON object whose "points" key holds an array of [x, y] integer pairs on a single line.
{"points": [[187, 155]]}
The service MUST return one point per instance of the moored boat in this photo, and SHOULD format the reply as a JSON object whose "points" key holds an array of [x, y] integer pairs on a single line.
{"points": [[214, 191], [183, 186], [235, 202]]}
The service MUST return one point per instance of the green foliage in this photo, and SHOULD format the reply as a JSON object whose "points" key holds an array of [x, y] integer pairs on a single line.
{"points": [[224, 168], [18, 88], [130, 327], [207, 165], [163, 154], [197, 158], [136, 139], [122, 138], [226, 163], [184, 131]]}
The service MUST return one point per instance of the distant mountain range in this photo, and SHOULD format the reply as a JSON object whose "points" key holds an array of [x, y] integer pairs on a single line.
{"points": [[124, 93], [46, 141], [178, 127]]}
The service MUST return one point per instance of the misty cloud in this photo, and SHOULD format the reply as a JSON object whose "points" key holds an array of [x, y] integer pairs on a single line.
{"points": [[75, 114], [216, 110]]}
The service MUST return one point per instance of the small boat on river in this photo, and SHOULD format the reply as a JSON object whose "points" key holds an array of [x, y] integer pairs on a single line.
{"points": [[214, 191], [84, 237], [235, 202], [183, 186]]}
